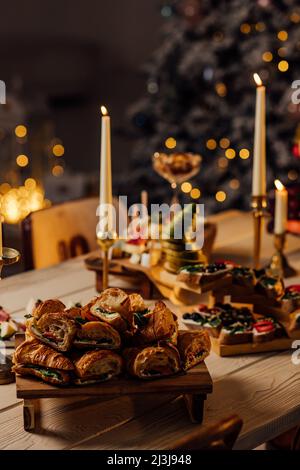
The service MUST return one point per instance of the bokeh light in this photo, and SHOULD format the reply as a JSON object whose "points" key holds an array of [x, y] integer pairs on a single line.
{"points": [[230, 153], [170, 143], [220, 196], [22, 160], [195, 193], [21, 131], [245, 28], [267, 56], [186, 187], [244, 154], [58, 150], [211, 144], [57, 170], [224, 143], [282, 35], [283, 66]]}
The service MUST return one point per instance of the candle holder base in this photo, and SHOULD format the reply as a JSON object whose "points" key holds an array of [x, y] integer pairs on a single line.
{"points": [[279, 265], [9, 256], [258, 204]]}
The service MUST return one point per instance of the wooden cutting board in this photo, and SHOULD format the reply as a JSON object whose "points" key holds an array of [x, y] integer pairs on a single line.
{"points": [[194, 384]]}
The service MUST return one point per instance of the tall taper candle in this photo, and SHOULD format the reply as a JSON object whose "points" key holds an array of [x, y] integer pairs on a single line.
{"points": [[281, 208], [105, 167], [259, 154]]}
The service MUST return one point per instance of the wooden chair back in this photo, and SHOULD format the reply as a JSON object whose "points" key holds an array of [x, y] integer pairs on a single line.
{"points": [[60, 232], [221, 436]]}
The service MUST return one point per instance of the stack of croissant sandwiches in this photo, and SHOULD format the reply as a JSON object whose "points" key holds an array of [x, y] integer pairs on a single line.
{"points": [[115, 333]]}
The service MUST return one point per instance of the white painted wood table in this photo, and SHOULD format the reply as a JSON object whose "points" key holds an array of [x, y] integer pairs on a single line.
{"points": [[262, 388]]}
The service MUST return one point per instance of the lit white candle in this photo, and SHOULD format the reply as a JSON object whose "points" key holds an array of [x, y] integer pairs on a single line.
{"points": [[105, 168], [259, 153], [281, 208]]}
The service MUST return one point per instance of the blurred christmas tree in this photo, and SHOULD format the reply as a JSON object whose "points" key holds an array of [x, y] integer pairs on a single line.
{"points": [[200, 92]]}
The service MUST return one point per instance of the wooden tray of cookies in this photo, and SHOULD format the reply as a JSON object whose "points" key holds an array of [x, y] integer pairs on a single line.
{"points": [[195, 384]]}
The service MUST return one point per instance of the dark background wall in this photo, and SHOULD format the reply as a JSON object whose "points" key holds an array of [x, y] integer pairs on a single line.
{"points": [[76, 55]]}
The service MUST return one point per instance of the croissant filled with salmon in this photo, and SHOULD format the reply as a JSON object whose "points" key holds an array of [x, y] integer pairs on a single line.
{"points": [[57, 330]]}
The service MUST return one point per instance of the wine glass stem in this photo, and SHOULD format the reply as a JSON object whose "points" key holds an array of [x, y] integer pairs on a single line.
{"points": [[175, 197]]}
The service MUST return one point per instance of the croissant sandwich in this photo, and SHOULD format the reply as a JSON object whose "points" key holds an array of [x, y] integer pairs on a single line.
{"points": [[55, 329], [97, 366], [113, 307], [193, 346], [153, 361], [48, 306], [34, 358], [160, 324], [96, 334]]}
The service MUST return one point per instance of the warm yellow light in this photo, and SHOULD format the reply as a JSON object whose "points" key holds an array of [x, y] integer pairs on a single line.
{"points": [[58, 150], [30, 183], [104, 111], [173, 185], [260, 26], [234, 184], [244, 154], [170, 143], [283, 66], [295, 17], [17, 203], [257, 79], [223, 162], [220, 196], [292, 175], [221, 89], [22, 160], [186, 187], [282, 35], [211, 144], [224, 143], [279, 186], [282, 51], [230, 153], [245, 28], [4, 188], [20, 131], [195, 193], [267, 56], [57, 170]]}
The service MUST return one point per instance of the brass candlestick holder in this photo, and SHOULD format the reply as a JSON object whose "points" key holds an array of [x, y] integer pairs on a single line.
{"points": [[279, 265], [9, 256], [106, 240], [258, 204]]}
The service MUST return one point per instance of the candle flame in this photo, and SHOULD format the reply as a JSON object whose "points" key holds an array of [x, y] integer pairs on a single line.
{"points": [[279, 185], [257, 79], [104, 111]]}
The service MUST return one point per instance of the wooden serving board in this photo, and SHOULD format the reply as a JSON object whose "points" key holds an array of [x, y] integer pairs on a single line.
{"points": [[195, 384], [156, 275], [223, 350], [279, 344]]}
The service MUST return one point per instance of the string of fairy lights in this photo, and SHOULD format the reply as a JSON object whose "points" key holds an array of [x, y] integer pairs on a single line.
{"points": [[17, 201]]}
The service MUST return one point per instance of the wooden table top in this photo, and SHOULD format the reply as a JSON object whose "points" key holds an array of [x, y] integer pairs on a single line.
{"points": [[263, 389]]}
